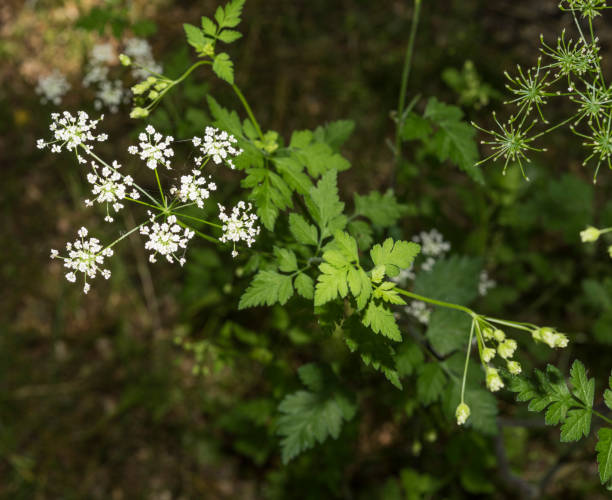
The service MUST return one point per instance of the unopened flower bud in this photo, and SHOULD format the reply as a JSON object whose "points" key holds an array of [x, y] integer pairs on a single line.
{"points": [[506, 349], [514, 367], [488, 354], [590, 234], [499, 335], [125, 60], [494, 381], [462, 413], [139, 113]]}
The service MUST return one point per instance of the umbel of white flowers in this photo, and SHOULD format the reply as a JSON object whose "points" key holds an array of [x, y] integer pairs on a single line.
{"points": [[166, 234], [86, 257]]}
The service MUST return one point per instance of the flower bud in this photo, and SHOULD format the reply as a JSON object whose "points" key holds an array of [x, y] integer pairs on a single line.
{"points": [[139, 113], [125, 60], [462, 413], [487, 333], [499, 335], [506, 349], [514, 367], [494, 381], [550, 337], [590, 234], [488, 354]]}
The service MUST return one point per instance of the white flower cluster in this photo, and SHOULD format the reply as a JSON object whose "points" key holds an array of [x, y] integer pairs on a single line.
{"points": [[139, 50], [166, 239], [52, 87], [550, 337], [505, 350], [109, 186], [71, 132], [218, 145], [84, 256], [194, 188], [109, 93], [239, 225], [100, 57], [154, 148], [419, 310], [485, 283], [432, 243]]}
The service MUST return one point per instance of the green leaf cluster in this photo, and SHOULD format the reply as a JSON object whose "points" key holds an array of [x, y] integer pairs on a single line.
{"points": [[445, 135], [571, 408], [311, 416]]}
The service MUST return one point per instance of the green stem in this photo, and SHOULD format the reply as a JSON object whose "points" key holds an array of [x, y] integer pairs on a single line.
{"points": [[198, 220], [604, 418], [161, 191], [435, 302], [405, 74], [555, 126], [156, 207], [512, 324], [467, 360], [200, 234], [127, 234], [248, 109], [189, 70]]}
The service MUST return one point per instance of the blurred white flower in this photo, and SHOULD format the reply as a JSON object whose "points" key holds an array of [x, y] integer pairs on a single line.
{"points": [[52, 88]]}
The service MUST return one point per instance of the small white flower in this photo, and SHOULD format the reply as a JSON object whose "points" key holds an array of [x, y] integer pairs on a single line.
{"points": [[428, 264], [494, 381], [95, 74], [499, 335], [52, 88], [514, 367], [506, 348], [194, 188], [110, 187], [102, 53], [419, 310], [85, 256], [139, 50], [488, 354], [239, 225], [462, 413], [72, 132], [549, 336], [218, 145], [154, 148], [404, 275], [485, 283], [166, 239], [110, 95], [432, 243]]}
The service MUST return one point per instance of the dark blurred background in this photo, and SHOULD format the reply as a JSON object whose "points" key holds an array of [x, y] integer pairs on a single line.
{"points": [[97, 400]]}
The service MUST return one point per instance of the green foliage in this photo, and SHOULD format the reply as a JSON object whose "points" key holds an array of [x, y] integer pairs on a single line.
{"points": [[572, 409], [446, 136], [447, 330], [382, 209], [267, 288], [452, 280], [224, 67], [203, 39], [312, 416], [394, 256]]}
